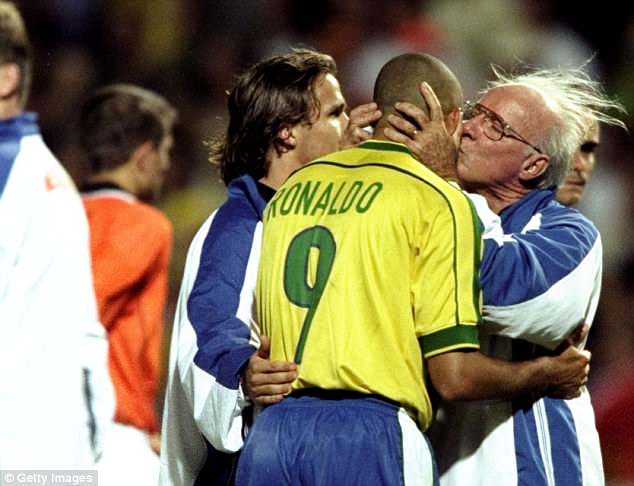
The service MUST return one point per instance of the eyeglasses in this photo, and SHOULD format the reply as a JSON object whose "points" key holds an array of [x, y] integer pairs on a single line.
{"points": [[495, 128]]}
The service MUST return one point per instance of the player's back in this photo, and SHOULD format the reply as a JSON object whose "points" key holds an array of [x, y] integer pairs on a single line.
{"points": [[46, 306], [347, 282]]}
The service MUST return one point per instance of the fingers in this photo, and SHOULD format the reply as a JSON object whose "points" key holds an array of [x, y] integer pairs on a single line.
{"points": [[571, 373], [577, 336], [360, 135], [583, 331], [360, 118], [364, 115], [265, 347], [273, 382], [396, 136], [370, 107], [265, 381], [354, 136], [586, 372], [268, 388], [268, 399], [582, 356], [403, 126], [259, 365], [572, 353], [435, 110], [416, 114], [272, 378]]}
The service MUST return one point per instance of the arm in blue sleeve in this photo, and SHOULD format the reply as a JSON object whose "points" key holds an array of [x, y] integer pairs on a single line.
{"points": [[213, 304], [541, 283]]}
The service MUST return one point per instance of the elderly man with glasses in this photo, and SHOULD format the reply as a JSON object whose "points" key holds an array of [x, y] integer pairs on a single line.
{"points": [[540, 273]]}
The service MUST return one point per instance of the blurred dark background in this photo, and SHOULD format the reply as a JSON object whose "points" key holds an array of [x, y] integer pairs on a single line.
{"points": [[190, 50]]}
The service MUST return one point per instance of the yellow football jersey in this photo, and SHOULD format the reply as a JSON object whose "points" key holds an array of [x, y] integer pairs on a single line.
{"points": [[368, 258]]}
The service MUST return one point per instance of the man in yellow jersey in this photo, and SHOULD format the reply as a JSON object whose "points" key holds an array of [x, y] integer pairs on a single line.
{"points": [[369, 266]]}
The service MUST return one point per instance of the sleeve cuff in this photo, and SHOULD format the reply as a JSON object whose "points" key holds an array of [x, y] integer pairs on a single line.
{"points": [[455, 337]]}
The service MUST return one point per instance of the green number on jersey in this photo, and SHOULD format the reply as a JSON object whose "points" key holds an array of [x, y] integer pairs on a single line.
{"points": [[296, 285]]}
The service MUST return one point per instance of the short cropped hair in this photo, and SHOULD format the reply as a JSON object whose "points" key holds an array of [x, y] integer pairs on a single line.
{"points": [[575, 97], [400, 78], [270, 94], [119, 118], [15, 47]]}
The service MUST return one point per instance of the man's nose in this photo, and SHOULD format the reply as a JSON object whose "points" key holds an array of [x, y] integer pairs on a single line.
{"points": [[582, 163], [468, 128]]}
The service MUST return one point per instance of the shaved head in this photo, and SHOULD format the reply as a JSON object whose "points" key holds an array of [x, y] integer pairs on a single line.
{"points": [[400, 79]]}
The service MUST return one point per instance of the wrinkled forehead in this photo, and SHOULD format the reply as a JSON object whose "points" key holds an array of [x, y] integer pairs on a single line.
{"points": [[522, 107], [511, 102]]}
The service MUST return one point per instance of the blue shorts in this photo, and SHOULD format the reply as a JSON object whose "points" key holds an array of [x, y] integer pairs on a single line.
{"points": [[332, 438]]}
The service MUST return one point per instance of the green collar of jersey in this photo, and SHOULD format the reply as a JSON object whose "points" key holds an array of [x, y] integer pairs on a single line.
{"points": [[385, 145]]}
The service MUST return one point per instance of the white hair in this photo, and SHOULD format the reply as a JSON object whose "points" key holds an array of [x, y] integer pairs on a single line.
{"points": [[576, 99]]}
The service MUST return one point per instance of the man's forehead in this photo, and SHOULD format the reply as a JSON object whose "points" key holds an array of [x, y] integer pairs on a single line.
{"points": [[509, 98], [522, 107], [327, 88]]}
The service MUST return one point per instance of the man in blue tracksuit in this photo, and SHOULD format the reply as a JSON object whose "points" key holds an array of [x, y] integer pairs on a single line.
{"points": [[283, 112], [540, 277]]}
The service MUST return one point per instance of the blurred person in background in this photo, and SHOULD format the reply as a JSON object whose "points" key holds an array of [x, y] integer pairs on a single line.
{"points": [[615, 387], [283, 112], [126, 134], [55, 393], [571, 189]]}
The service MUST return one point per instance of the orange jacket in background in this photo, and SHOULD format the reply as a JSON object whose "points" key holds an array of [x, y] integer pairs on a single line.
{"points": [[130, 245]]}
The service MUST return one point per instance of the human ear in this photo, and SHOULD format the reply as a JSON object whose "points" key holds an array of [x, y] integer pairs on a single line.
{"points": [[453, 125], [285, 140], [141, 157], [453, 120], [9, 80], [534, 167]]}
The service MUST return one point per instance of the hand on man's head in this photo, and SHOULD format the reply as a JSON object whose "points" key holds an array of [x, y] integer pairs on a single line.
{"points": [[426, 136], [361, 117]]}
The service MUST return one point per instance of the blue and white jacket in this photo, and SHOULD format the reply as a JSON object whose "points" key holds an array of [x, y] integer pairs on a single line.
{"points": [[541, 278], [214, 335], [56, 395]]}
